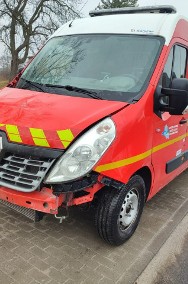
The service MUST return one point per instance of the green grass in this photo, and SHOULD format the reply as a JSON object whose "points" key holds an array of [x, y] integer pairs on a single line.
{"points": [[3, 84]]}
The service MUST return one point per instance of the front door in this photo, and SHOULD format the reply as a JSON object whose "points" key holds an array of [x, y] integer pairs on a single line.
{"points": [[169, 133]]}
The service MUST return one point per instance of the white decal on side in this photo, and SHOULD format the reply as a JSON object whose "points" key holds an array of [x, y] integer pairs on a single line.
{"points": [[178, 152], [173, 129]]}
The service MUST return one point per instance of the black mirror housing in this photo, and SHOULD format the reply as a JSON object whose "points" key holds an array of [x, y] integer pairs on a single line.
{"points": [[178, 97]]}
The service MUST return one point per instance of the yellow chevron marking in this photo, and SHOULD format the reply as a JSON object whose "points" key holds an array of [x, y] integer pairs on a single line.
{"points": [[66, 137], [15, 138], [65, 143], [39, 137], [41, 142], [13, 133], [38, 133], [12, 129]]}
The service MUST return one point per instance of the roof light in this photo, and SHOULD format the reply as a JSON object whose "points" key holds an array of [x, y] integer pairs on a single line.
{"points": [[165, 9]]}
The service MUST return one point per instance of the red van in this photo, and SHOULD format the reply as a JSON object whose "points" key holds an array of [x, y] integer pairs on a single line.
{"points": [[98, 117]]}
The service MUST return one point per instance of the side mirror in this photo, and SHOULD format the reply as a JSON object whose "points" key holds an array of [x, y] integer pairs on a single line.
{"points": [[177, 97]]}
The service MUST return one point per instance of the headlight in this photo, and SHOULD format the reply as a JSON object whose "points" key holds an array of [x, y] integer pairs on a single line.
{"points": [[81, 157]]}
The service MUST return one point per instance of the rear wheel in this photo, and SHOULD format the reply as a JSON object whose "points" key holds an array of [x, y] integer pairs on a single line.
{"points": [[119, 211]]}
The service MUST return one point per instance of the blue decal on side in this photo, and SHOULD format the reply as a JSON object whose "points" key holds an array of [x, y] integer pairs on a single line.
{"points": [[166, 132]]}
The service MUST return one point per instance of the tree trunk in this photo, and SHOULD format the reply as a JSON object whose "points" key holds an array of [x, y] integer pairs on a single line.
{"points": [[14, 66]]}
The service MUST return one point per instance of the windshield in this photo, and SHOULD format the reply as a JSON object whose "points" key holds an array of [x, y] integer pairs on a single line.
{"points": [[115, 66]]}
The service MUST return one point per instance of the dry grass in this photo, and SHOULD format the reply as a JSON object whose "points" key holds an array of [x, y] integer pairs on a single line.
{"points": [[3, 84]]}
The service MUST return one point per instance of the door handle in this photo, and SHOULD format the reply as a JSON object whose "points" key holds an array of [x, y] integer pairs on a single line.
{"points": [[183, 121]]}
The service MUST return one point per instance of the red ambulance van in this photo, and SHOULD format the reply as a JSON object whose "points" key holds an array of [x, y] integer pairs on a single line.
{"points": [[98, 117]]}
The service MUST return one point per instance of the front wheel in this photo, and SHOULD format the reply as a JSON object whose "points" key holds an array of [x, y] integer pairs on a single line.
{"points": [[119, 211]]}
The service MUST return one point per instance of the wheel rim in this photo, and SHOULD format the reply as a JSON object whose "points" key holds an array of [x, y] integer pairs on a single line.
{"points": [[129, 210]]}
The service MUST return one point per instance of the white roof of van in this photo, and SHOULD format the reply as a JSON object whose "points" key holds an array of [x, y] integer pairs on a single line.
{"points": [[161, 24]]}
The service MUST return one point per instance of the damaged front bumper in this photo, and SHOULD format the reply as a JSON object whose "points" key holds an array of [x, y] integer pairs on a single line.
{"points": [[45, 201]]}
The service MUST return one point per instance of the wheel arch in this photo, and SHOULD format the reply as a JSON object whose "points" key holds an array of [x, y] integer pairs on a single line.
{"points": [[146, 174]]}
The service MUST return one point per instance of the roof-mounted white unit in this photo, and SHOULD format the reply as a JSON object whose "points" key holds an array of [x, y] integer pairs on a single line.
{"points": [[135, 10]]}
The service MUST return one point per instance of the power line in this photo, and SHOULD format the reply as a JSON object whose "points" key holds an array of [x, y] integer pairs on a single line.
{"points": [[83, 6]]}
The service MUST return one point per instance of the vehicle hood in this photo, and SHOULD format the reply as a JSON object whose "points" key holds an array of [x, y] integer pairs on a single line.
{"points": [[49, 120]]}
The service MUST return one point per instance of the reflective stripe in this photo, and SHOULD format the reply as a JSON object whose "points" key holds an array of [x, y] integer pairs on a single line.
{"points": [[39, 137], [122, 163], [137, 158], [13, 133], [168, 143], [66, 137]]}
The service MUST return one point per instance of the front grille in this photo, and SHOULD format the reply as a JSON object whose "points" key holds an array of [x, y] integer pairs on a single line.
{"points": [[23, 173]]}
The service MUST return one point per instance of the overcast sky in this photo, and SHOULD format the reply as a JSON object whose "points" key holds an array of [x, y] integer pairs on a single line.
{"points": [[179, 4]]}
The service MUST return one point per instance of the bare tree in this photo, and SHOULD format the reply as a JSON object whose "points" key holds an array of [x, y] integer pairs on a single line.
{"points": [[26, 24], [4, 66], [107, 4]]}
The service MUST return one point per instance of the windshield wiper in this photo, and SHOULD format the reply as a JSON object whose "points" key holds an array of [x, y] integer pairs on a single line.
{"points": [[36, 85], [91, 94]]}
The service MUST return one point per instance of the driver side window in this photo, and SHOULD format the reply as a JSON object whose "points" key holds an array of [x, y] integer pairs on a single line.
{"points": [[175, 66]]}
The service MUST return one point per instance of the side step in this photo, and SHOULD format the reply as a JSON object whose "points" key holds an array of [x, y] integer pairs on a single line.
{"points": [[31, 214]]}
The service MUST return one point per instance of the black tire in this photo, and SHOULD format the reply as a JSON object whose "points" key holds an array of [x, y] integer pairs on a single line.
{"points": [[108, 216]]}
